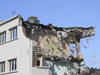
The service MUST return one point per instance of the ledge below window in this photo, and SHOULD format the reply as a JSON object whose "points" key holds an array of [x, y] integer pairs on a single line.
{"points": [[8, 72], [42, 67], [9, 41]]}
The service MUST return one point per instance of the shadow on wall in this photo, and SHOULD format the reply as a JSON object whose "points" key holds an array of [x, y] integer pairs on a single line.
{"points": [[50, 65], [59, 68]]}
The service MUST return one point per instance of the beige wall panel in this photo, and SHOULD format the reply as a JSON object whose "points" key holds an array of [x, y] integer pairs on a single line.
{"points": [[53, 46]]}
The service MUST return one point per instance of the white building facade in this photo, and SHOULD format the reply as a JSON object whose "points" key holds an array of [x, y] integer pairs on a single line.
{"points": [[14, 48]]}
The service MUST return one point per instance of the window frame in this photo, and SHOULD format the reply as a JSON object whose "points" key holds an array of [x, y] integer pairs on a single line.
{"points": [[13, 65], [13, 33], [3, 37], [2, 67]]}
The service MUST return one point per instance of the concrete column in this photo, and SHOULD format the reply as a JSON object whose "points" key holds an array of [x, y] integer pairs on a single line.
{"points": [[77, 42]]}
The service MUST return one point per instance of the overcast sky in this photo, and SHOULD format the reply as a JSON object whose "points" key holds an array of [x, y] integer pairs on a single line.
{"points": [[61, 13]]}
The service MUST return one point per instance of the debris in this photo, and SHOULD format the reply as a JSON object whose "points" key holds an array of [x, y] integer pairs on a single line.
{"points": [[62, 32], [84, 46], [76, 65], [89, 38], [65, 73], [72, 51], [93, 55]]}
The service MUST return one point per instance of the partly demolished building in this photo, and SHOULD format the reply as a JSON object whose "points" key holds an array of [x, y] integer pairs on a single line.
{"points": [[41, 49]]}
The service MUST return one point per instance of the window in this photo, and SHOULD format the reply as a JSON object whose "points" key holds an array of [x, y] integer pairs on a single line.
{"points": [[2, 67], [38, 62], [13, 33], [13, 65], [3, 37]]}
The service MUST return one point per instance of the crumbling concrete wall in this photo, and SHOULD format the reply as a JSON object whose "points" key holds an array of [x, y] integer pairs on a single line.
{"points": [[51, 45]]}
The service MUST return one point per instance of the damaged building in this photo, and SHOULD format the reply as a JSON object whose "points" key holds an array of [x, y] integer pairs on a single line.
{"points": [[33, 48]]}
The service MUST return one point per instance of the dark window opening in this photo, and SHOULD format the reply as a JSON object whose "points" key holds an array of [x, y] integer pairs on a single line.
{"points": [[38, 62]]}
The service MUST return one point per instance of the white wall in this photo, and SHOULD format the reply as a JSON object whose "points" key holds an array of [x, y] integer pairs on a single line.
{"points": [[18, 48], [41, 71]]}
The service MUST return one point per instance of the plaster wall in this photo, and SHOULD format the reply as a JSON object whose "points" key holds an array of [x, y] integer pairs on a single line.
{"points": [[41, 71], [52, 46], [60, 67], [17, 48]]}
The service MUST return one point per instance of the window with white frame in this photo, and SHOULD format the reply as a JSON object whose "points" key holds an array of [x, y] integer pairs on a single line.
{"points": [[2, 67], [13, 33], [12, 65], [3, 37]]}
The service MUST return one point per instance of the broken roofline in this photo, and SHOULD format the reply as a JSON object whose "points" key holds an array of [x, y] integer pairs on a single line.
{"points": [[66, 32]]}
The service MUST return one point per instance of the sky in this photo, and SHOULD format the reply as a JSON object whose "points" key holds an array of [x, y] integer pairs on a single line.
{"points": [[61, 13]]}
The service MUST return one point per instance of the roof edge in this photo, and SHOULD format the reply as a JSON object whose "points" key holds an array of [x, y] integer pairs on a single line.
{"points": [[10, 19]]}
